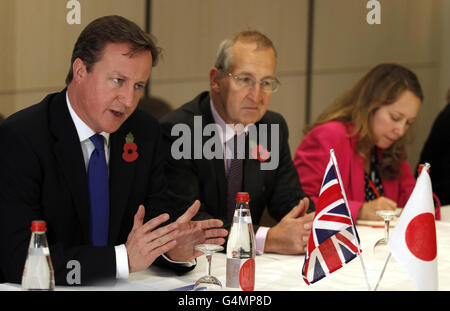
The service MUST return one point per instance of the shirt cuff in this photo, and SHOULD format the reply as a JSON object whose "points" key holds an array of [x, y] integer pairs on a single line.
{"points": [[122, 271], [260, 239], [183, 263]]}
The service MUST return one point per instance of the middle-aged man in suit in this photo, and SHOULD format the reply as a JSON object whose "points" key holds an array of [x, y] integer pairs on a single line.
{"points": [[90, 165], [203, 165]]}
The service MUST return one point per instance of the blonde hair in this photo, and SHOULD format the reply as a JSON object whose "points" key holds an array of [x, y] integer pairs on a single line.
{"points": [[382, 85]]}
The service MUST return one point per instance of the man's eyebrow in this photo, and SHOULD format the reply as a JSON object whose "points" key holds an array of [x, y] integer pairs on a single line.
{"points": [[122, 76], [117, 73], [250, 74]]}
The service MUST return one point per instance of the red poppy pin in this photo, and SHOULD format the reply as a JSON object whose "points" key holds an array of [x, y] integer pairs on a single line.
{"points": [[259, 152], [129, 149]]}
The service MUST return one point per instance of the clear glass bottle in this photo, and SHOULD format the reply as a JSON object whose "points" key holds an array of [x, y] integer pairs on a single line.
{"points": [[241, 248], [38, 271]]}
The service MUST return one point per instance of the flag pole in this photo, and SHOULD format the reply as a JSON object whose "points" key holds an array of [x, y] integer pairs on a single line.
{"points": [[382, 271], [349, 212]]}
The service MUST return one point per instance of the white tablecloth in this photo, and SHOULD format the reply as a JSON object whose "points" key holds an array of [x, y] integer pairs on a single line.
{"points": [[283, 273]]}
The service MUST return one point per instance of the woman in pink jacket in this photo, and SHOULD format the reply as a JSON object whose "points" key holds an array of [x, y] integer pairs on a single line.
{"points": [[367, 129]]}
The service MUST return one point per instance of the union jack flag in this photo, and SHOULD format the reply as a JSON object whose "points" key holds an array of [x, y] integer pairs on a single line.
{"points": [[332, 241]]}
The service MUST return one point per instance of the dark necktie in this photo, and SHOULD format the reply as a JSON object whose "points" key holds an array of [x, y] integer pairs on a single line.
{"points": [[234, 179], [98, 193]]}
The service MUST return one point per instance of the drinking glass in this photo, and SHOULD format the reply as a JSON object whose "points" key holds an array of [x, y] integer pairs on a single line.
{"points": [[208, 282], [387, 216]]}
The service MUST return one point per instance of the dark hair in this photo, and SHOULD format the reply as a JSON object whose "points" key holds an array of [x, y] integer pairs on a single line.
{"points": [[110, 29]]}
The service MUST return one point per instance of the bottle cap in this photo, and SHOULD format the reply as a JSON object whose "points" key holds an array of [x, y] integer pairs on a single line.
{"points": [[38, 226], [242, 197]]}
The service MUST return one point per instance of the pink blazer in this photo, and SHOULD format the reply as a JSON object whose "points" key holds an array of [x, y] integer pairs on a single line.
{"points": [[313, 155]]}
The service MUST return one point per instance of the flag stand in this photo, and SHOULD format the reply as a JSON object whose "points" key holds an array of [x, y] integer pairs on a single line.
{"points": [[351, 218]]}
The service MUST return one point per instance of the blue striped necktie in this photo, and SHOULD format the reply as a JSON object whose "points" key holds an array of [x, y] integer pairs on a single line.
{"points": [[98, 193]]}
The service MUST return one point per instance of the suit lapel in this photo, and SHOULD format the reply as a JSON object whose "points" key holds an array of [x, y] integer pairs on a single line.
{"points": [[69, 156], [218, 164], [121, 176]]}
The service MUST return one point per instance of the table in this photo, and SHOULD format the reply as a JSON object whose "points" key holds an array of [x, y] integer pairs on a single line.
{"points": [[283, 273]]}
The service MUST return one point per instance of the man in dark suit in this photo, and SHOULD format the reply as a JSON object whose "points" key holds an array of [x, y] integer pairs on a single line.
{"points": [[90, 165], [435, 151], [201, 163]]}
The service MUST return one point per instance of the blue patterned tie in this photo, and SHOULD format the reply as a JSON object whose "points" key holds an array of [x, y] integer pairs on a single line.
{"points": [[98, 193]]}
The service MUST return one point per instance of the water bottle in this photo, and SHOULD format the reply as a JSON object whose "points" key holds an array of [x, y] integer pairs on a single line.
{"points": [[38, 272], [241, 247]]}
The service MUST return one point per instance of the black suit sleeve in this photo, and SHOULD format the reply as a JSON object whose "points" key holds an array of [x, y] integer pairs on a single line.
{"points": [[20, 194], [435, 152]]}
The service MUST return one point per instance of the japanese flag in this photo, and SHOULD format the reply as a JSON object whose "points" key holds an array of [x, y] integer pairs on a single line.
{"points": [[413, 241]]}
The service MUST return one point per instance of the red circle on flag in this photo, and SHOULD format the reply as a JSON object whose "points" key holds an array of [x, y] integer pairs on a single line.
{"points": [[420, 237]]}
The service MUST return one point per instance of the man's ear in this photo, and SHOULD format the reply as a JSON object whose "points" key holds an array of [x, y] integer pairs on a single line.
{"points": [[79, 69], [214, 79]]}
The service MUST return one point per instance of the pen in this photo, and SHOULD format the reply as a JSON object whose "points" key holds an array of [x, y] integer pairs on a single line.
{"points": [[374, 188]]}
